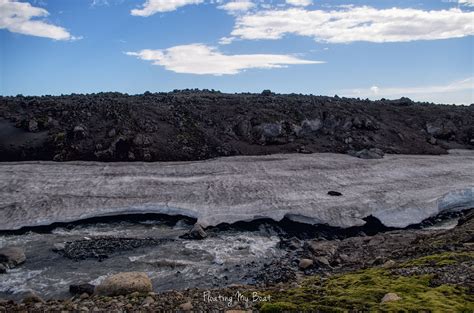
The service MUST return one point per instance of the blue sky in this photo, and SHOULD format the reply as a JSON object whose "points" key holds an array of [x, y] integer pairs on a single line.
{"points": [[375, 49]]}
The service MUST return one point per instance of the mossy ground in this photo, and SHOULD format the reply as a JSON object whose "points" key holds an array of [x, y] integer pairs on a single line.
{"points": [[441, 259], [364, 290]]}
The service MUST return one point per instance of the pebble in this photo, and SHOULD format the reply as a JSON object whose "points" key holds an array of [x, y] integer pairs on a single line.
{"points": [[389, 297], [148, 300], [31, 297], [389, 264], [322, 260], [305, 263], [186, 306], [134, 294]]}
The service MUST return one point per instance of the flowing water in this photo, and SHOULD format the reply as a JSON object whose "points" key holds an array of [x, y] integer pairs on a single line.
{"points": [[174, 264]]}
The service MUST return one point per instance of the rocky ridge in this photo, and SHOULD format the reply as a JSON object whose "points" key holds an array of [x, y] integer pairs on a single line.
{"points": [[196, 125]]}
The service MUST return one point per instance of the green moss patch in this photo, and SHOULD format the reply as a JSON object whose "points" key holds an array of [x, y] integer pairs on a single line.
{"points": [[441, 259], [364, 290]]}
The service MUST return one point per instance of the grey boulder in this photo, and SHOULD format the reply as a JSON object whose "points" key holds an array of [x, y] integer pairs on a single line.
{"points": [[12, 256], [124, 284], [197, 232]]}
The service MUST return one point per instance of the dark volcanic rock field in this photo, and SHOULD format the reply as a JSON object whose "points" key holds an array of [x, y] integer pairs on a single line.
{"points": [[195, 125]]}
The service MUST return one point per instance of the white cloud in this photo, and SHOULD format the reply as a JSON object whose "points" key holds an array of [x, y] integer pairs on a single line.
{"points": [[356, 24], [467, 2], [460, 92], [374, 89], [19, 17], [204, 60], [226, 40], [151, 7], [98, 3], [237, 6], [301, 3]]}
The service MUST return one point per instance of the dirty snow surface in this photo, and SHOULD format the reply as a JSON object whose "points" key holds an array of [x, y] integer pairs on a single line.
{"points": [[399, 190]]}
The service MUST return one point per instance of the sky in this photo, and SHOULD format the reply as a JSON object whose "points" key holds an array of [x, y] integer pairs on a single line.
{"points": [[361, 48]]}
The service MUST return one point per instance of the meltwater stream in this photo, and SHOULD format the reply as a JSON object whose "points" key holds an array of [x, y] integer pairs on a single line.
{"points": [[174, 264]]}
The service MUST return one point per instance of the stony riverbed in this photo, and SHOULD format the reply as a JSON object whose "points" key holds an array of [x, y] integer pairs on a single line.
{"points": [[238, 264]]}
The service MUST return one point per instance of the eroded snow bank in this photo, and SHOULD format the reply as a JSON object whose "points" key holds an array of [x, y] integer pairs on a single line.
{"points": [[399, 189]]}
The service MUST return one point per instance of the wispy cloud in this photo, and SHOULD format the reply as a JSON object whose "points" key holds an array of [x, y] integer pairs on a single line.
{"points": [[466, 2], [21, 17], [204, 60], [98, 3], [151, 7], [237, 6], [352, 24], [301, 3], [226, 40], [460, 92]]}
